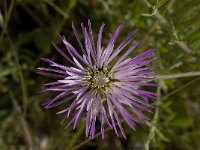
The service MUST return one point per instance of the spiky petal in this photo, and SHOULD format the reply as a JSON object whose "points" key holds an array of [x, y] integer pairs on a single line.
{"points": [[92, 84]]}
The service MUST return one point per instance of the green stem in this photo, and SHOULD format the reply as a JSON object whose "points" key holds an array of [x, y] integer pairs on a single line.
{"points": [[21, 76], [179, 75], [7, 19], [153, 125], [75, 137], [22, 121], [162, 19]]}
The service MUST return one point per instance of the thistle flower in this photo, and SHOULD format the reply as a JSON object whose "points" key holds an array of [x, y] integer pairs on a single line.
{"points": [[100, 82]]}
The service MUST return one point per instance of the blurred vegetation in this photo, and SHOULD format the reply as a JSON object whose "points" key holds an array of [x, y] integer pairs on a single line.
{"points": [[27, 28]]}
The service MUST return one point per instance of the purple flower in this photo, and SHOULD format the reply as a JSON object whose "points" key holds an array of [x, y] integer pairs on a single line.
{"points": [[101, 82]]}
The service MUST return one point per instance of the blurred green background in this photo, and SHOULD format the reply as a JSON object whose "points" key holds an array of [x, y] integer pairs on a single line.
{"points": [[27, 28]]}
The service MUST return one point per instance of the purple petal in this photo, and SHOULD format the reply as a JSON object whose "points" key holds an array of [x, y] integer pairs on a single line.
{"points": [[77, 37]]}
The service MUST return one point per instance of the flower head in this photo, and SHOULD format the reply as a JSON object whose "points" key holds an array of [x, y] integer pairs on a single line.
{"points": [[101, 82]]}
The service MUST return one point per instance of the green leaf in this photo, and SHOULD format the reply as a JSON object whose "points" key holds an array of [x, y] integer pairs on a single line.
{"points": [[182, 122]]}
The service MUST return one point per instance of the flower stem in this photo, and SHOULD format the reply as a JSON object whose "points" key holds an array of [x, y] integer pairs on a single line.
{"points": [[179, 75]]}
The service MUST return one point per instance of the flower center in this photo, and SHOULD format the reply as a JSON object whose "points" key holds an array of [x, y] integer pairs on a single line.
{"points": [[98, 79]]}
